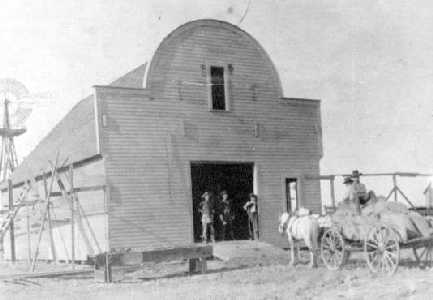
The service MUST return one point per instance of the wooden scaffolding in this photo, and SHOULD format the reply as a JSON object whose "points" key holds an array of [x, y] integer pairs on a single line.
{"points": [[69, 193]]}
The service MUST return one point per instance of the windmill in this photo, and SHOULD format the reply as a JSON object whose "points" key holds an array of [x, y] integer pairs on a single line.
{"points": [[17, 105]]}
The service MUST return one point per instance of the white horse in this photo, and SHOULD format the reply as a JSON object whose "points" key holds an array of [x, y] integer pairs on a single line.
{"points": [[304, 227]]}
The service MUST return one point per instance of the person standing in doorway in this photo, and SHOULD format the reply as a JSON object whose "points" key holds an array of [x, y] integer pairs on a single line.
{"points": [[226, 217], [207, 214], [252, 210]]}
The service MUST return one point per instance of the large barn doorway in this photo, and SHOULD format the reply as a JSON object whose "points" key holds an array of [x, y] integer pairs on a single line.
{"points": [[236, 179]]}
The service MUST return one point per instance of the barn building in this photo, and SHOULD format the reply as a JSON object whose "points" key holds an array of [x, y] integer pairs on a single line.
{"points": [[207, 114]]}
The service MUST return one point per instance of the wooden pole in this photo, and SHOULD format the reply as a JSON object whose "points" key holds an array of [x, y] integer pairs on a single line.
{"points": [[50, 225], [72, 199], [332, 187], [29, 243], [394, 180], [79, 215], [82, 214], [44, 217], [11, 223]]}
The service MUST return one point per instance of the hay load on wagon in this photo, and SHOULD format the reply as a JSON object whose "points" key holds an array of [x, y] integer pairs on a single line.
{"points": [[380, 230], [408, 224]]}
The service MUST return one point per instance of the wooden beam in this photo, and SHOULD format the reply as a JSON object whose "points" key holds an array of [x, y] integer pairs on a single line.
{"points": [[319, 177], [332, 188], [159, 255], [44, 217], [45, 274], [50, 225], [77, 164], [82, 189], [11, 222], [72, 199], [82, 214], [29, 240], [89, 188]]}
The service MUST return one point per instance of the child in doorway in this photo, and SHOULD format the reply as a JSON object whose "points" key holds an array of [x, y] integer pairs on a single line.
{"points": [[253, 218]]}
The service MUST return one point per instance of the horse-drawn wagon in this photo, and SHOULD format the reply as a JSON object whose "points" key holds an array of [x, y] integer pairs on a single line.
{"points": [[378, 239]]}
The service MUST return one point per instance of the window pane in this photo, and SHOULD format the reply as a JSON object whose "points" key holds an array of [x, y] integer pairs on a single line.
{"points": [[291, 194], [217, 88]]}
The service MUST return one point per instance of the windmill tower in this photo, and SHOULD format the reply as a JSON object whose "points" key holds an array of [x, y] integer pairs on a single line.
{"points": [[11, 91], [8, 155]]}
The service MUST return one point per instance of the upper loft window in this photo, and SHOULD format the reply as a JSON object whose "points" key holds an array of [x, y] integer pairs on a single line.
{"points": [[217, 91]]}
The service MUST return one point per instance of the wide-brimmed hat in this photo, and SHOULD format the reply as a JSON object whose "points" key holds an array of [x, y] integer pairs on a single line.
{"points": [[356, 174], [224, 192], [205, 194], [347, 180], [252, 195]]}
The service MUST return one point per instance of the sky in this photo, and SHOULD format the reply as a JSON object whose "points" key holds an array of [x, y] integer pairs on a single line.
{"points": [[370, 62]]}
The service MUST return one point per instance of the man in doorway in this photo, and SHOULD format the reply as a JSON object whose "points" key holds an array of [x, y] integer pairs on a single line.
{"points": [[226, 217], [251, 208], [207, 213]]}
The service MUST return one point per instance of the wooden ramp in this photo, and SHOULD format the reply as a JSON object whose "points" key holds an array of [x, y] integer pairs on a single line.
{"points": [[250, 251]]}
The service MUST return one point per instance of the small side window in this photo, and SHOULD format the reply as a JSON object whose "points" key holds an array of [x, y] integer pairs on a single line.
{"points": [[291, 194], [217, 88]]}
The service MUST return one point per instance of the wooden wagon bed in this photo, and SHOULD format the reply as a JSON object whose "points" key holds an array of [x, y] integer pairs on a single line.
{"points": [[381, 247]]}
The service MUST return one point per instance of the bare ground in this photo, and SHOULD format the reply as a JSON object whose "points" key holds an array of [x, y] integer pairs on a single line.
{"points": [[235, 279]]}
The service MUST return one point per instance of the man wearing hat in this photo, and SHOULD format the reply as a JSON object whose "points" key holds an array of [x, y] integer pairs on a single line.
{"points": [[253, 217], [359, 188], [207, 212], [226, 217], [356, 191]]}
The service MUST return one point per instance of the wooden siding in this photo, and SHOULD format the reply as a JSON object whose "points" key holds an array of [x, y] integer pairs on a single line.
{"points": [[93, 204], [149, 137]]}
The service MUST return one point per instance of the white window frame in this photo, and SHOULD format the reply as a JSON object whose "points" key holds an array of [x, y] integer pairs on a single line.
{"points": [[227, 81], [299, 190]]}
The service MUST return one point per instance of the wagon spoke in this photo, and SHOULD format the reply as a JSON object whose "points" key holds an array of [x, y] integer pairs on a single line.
{"points": [[389, 259], [375, 257], [372, 244], [392, 257], [382, 250], [332, 249]]}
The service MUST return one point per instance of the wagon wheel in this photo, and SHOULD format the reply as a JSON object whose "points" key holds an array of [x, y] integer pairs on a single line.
{"points": [[382, 250], [332, 249]]}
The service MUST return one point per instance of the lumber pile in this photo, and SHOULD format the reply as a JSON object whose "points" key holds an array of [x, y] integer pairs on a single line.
{"points": [[408, 224]]}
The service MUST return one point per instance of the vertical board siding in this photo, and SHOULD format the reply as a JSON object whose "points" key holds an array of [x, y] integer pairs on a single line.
{"points": [[151, 136]]}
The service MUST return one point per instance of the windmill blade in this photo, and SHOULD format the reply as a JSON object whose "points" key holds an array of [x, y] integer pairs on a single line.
{"points": [[12, 88], [21, 101], [20, 117]]}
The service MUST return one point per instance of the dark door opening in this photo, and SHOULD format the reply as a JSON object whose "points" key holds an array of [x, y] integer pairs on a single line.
{"points": [[236, 179]]}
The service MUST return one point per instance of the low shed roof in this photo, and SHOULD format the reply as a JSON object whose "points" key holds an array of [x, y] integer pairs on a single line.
{"points": [[74, 137]]}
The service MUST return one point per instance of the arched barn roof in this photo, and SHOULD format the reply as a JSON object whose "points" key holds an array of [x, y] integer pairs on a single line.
{"points": [[173, 38]]}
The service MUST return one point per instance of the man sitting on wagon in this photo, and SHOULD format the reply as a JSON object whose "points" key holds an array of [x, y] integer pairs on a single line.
{"points": [[356, 191]]}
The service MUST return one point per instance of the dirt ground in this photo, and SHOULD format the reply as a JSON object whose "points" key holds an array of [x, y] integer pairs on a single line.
{"points": [[235, 279]]}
